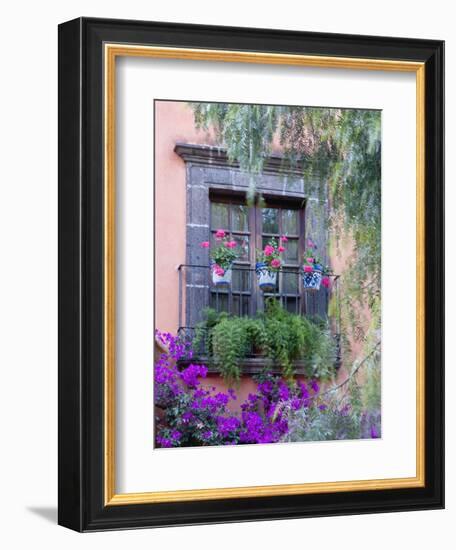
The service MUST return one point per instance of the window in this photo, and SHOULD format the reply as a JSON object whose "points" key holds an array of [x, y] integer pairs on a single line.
{"points": [[252, 228]]}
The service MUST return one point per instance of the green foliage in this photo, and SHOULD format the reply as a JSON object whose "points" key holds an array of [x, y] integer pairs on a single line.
{"points": [[344, 415], [314, 424], [281, 337], [202, 342], [230, 343], [293, 337], [371, 388]]}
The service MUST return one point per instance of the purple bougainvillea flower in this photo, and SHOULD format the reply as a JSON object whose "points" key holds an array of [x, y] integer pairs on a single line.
{"points": [[187, 416], [164, 441], [191, 374], [374, 432], [265, 387], [175, 435], [253, 398], [222, 399], [232, 393], [296, 403], [192, 412], [284, 392], [227, 426]]}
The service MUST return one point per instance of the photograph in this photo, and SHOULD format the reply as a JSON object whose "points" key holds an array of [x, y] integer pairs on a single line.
{"points": [[267, 274]]}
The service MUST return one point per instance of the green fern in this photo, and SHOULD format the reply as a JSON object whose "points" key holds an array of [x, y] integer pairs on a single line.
{"points": [[230, 343], [282, 338]]}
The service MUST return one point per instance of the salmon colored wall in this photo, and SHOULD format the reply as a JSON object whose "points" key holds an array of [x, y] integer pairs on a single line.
{"points": [[173, 123], [339, 263], [246, 385]]}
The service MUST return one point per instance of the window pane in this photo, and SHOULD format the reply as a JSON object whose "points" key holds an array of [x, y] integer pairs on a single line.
{"points": [[270, 218], [242, 249], [241, 280], [219, 215], [240, 305], [245, 305], [214, 241], [219, 301], [292, 305], [290, 222], [267, 240], [235, 305], [291, 251], [290, 282], [239, 218]]}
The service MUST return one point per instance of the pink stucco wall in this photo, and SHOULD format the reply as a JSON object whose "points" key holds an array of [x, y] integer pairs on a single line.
{"points": [[173, 123]]}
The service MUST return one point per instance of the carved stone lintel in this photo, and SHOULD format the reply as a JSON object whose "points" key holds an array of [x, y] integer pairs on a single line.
{"points": [[217, 156]]}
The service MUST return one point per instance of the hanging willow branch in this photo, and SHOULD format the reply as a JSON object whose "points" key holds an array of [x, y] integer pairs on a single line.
{"points": [[354, 371]]}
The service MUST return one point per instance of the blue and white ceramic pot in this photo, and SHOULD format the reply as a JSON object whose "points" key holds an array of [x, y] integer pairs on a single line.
{"points": [[220, 280], [267, 279], [311, 280]]}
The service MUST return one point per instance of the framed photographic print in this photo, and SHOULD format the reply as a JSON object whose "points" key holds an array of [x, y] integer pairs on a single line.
{"points": [[250, 274]]}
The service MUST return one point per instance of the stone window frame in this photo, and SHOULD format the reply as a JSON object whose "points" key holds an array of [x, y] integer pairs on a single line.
{"points": [[209, 171]]}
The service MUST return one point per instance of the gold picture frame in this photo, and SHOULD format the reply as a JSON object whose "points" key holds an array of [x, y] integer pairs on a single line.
{"points": [[113, 52]]}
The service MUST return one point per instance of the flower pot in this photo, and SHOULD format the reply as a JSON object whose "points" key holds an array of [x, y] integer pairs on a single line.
{"points": [[220, 280], [267, 279], [311, 280]]}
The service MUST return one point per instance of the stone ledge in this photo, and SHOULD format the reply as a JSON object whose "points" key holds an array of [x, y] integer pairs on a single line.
{"points": [[249, 365], [217, 156]]}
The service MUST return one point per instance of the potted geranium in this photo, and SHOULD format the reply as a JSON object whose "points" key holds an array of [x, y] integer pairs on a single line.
{"points": [[314, 273], [222, 257], [269, 263]]}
